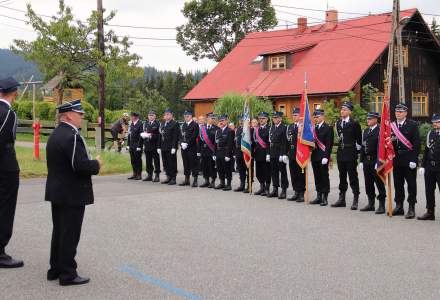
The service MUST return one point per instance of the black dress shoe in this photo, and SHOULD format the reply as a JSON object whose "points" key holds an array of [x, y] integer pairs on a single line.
{"points": [[273, 194], [294, 197], [52, 275], [131, 177], [381, 209], [324, 199], [282, 194], [317, 200], [411, 214], [148, 178], [205, 184], [428, 216], [398, 210], [138, 177], [7, 262], [260, 191], [195, 182], [167, 180], [156, 178], [76, 281], [172, 181], [300, 197]]}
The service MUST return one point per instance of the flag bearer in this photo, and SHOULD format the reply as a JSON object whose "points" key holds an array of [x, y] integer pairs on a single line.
{"points": [[278, 156], [297, 176]]}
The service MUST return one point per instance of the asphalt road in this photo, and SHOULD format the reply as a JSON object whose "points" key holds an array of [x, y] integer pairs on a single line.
{"points": [[151, 241]]}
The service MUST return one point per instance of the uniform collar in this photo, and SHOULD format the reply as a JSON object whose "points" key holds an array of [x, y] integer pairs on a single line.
{"points": [[187, 123], [6, 102], [401, 123], [71, 125], [347, 119], [373, 127], [320, 124]]}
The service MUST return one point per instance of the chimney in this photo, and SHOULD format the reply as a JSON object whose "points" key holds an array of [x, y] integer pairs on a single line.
{"points": [[331, 17], [302, 24]]}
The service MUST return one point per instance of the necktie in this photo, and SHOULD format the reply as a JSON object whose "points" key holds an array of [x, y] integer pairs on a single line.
{"points": [[343, 124]]}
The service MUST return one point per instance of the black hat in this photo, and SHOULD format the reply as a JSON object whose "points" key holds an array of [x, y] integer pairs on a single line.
{"points": [[187, 113], [168, 110], [277, 114], [263, 115], [134, 114], [74, 105], [223, 117], [295, 111], [318, 112], [211, 115], [151, 113], [8, 85], [435, 118], [239, 117], [401, 107], [373, 115], [347, 105]]}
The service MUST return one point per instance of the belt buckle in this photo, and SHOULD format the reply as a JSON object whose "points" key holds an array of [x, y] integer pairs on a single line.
{"points": [[432, 163]]}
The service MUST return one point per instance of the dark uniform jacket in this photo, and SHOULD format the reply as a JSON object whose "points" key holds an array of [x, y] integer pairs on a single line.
{"points": [[237, 139], [203, 147], [189, 134], [431, 156], [150, 144], [278, 140], [224, 140], [134, 135], [260, 152], [349, 136], [403, 156], [169, 135], [8, 127], [370, 140], [69, 178], [292, 138], [326, 135]]}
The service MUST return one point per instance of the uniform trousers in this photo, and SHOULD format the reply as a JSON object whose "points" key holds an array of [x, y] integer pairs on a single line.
{"points": [[371, 179], [136, 161], [9, 182], [152, 161], [169, 163], [432, 179], [400, 175], [322, 178], [297, 176], [189, 158], [348, 168], [278, 169], [262, 169]]}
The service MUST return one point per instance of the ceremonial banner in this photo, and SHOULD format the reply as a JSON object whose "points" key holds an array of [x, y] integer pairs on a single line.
{"points": [[246, 138], [386, 150], [306, 139]]}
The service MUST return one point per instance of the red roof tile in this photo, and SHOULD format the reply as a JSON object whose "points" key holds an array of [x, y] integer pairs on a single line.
{"points": [[335, 58]]}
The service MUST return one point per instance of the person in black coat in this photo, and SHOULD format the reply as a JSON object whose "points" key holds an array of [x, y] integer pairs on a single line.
{"points": [[297, 176], [368, 160], [69, 189], [243, 171], [224, 141], [119, 127], [278, 156], [431, 168], [169, 131], [134, 146], [321, 157], [406, 143], [150, 139], [188, 146], [206, 148], [261, 154], [349, 133], [9, 169]]}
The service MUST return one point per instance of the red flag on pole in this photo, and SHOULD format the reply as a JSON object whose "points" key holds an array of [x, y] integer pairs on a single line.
{"points": [[306, 139], [386, 150]]}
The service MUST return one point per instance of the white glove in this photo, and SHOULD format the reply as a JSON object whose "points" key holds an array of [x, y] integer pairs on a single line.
{"points": [[138, 149], [199, 154], [280, 159], [158, 151], [358, 147], [285, 159], [324, 161], [214, 158], [128, 148], [412, 165], [173, 151], [361, 166], [421, 171], [184, 146], [144, 135], [268, 158], [227, 159]]}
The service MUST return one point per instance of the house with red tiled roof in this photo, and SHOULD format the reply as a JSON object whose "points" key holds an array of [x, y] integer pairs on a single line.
{"points": [[338, 57]]}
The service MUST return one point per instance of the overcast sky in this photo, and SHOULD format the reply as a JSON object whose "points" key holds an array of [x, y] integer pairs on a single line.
{"points": [[167, 55]]}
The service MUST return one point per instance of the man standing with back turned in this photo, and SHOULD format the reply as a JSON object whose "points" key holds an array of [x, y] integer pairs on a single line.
{"points": [[69, 189]]}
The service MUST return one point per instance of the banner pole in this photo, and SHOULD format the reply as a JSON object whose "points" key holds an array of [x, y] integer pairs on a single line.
{"points": [[306, 195], [389, 196]]}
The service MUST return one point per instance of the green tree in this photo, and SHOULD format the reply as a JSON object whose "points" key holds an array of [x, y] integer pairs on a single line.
{"points": [[143, 102], [214, 27], [233, 104], [67, 47], [435, 28], [368, 94]]}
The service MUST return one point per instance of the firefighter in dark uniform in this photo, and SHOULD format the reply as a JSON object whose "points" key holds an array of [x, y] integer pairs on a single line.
{"points": [[321, 157], [69, 189], [349, 133], [261, 154], [169, 132], [431, 168], [368, 160], [242, 169], [150, 139], [278, 156], [406, 143], [188, 145], [297, 176], [134, 145], [9, 169], [224, 140], [207, 151]]}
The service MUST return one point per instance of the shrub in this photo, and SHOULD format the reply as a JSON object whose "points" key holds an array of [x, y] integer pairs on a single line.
{"points": [[89, 110], [43, 110], [424, 128], [24, 110]]}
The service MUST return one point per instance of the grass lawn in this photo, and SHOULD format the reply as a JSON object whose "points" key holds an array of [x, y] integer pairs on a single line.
{"points": [[114, 163]]}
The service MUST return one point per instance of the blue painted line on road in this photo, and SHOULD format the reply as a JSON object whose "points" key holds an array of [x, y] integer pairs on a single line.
{"points": [[164, 285]]}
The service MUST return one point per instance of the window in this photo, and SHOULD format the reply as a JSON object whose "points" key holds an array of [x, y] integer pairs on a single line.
{"points": [[282, 108], [405, 56], [420, 104], [376, 103], [316, 106], [278, 62]]}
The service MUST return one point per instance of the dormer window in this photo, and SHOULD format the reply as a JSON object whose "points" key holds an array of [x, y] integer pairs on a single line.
{"points": [[258, 59], [277, 62]]}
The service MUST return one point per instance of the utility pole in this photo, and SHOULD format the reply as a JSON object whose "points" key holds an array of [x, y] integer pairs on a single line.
{"points": [[101, 86]]}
